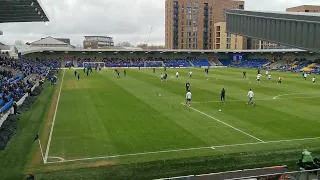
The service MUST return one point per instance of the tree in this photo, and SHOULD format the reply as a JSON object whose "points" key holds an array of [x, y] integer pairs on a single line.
{"points": [[152, 46], [143, 45], [19, 42], [125, 44]]}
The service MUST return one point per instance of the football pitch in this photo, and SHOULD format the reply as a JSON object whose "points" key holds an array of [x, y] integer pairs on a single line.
{"points": [[138, 118]]}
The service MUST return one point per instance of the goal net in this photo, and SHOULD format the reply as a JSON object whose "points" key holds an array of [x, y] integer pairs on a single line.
{"points": [[93, 65]]}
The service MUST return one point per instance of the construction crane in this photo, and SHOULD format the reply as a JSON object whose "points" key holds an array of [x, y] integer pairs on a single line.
{"points": [[147, 42]]}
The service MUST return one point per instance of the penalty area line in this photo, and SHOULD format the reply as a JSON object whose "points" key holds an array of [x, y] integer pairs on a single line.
{"points": [[62, 160], [226, 124]]}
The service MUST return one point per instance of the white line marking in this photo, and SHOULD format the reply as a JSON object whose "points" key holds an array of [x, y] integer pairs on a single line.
{"points": [[53, 120], [134, 154], [270, 99], [53, 157], [225, 124], [180, 150], [276, 97]]}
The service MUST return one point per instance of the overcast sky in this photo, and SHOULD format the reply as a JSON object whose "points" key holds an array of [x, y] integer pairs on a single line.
{"points": [[125, 20]]}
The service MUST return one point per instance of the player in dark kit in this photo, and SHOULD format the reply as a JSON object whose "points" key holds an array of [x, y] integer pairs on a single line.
{"points": [[78, 77], [124, 72], [259, 71], [244, 74], [154, 70], [165, 68], [223, 95], [84, 70], [187, 86], [139, 68], [87, 72], [75, 73]]}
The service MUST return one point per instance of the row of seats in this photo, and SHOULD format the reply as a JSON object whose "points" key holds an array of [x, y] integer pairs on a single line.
{"points": [[150, 62]]}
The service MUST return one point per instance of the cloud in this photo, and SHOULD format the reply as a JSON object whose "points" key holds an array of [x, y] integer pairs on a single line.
{"points": [[125, 20]]}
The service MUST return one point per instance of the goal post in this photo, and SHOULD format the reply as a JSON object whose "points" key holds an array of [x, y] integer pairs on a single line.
{"points": [[93, 65]]}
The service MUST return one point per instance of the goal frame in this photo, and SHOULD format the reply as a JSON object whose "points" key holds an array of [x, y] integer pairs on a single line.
{"points": [[99, 63]]}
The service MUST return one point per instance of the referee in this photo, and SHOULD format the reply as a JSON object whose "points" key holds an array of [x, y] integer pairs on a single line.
{"points": [[223, 95]]}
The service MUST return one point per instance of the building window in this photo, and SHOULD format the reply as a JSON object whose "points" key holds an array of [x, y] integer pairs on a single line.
{"points": [[235, 46], [307, 11], [228, 35], [189, 34], [181, 46], [218, 28], [189, 45], [228, 40], [228, 46], [189, 40], [182, 34], [217, 46], [241, 6]]}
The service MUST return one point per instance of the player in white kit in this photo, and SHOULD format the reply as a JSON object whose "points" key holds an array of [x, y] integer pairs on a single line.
{"points": [[188, 98], [258, 78], [190, 73], [250, 95], [313, 80], [177, 74]]}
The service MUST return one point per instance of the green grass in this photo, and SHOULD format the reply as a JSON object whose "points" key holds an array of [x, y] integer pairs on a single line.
{"points": [[19, 151], [102, 116]]}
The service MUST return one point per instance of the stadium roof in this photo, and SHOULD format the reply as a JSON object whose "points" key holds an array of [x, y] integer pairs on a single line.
{"points": [[22, 11], [65, 49], [49, 40]]}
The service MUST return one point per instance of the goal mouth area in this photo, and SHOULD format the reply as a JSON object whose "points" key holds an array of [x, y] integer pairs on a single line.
{"points": [[93, 64]]}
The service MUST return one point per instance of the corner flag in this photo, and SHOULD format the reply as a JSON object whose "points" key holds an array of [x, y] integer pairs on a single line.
{"points": [[36, 137]]}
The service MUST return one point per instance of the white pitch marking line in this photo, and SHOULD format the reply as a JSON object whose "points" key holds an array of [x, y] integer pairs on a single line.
{"points": [[276, 97], [226, 124], [60, 158], [189, 149], [53, 120], [272, 99]]}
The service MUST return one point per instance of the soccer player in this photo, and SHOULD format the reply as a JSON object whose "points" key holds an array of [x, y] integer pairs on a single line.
{"points": [[84, 70], [87, 72], [154, 70], [165, 76], [258, 78], [250, 95], [305, 76], [244, 74], [269, 77], [75, 73], [118, 73], [139, 68], [165, 68], [161, 76], [313, 80], [124, 72], [267, 73], [259, 71], [190, 73], [188, 97], [280, 80], [223, 95], [177, 74], [187, 86], [78, 77]]}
